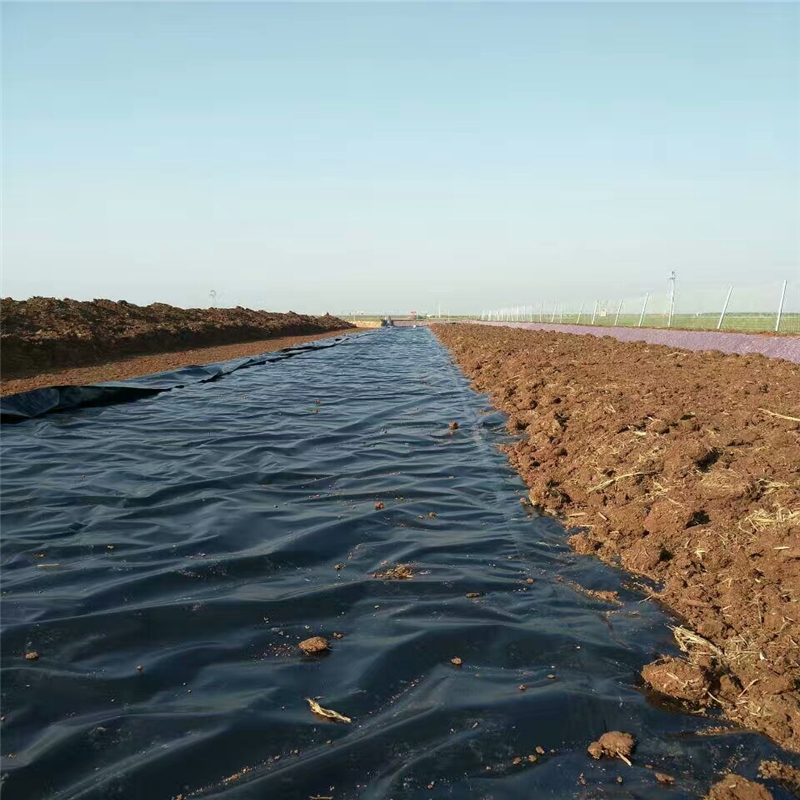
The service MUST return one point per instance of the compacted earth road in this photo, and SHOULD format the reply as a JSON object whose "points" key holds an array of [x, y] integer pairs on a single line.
{"points": [[314, 577]]}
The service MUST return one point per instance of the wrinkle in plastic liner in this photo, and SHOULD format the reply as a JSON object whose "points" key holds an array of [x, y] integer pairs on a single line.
{"points": [[165, 557]]}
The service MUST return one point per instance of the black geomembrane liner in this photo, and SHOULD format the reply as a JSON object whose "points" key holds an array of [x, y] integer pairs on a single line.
{"points": [[196, 533]]}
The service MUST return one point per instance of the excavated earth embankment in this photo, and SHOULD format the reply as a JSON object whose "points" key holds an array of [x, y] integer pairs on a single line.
{"points": [[45, 333], [680, 466]]}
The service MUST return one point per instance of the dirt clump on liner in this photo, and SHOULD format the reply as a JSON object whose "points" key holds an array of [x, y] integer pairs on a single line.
{"points": [[785, 775], [400, 572], [314, 645], [735, 787], [597, 594], [614, 744], [680, 466], [45, 333], [681, 679]]}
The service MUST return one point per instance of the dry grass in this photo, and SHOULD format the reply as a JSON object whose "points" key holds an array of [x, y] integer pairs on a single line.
{"points": [[761, 519]]}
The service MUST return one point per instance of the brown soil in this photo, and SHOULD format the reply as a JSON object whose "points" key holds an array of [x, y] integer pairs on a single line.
{"points": [[614, 744], [788, 777], [612, 598], [145, 365], [678, 465], [45, 333], [678, 678], [401, 572], [316, 644], [735, 787]]}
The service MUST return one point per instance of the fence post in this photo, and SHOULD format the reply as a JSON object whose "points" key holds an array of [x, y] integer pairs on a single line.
{"points": [[725, 307], [644, 308], [619, 310], [594, 313], [780, 308], [671, 298]]}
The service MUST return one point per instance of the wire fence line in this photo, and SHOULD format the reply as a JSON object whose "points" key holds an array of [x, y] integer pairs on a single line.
{"points": [[766, 307]]}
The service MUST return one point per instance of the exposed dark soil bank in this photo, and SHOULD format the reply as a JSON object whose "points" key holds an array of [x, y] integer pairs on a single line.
{"points": [[684, 467], [136, 366], [45, 333]]}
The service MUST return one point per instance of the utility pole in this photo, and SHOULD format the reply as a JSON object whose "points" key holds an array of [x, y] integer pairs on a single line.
{"points": [[671, 298]]}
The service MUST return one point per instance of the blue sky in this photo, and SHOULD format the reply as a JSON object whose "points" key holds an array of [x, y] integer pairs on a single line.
{"points": [[342, 156]]}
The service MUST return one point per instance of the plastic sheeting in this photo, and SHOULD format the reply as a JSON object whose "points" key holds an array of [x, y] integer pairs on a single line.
{"points": [[38, 402], [196, 533]]}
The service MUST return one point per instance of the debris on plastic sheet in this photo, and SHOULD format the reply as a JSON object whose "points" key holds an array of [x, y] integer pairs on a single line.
{"points": [[327, 713], [614, 744], [735, 787], [315, 645], [400, 572]]}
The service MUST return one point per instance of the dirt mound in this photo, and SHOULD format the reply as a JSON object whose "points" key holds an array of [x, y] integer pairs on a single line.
{"points": [[680, 466], [680, 679], [735, 787], [44, 333]]}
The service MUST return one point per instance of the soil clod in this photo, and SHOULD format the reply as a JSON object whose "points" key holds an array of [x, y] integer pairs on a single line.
{"points": [[314, 645], [678, 678], [400, 572], [735, 787], [614, 744]]}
